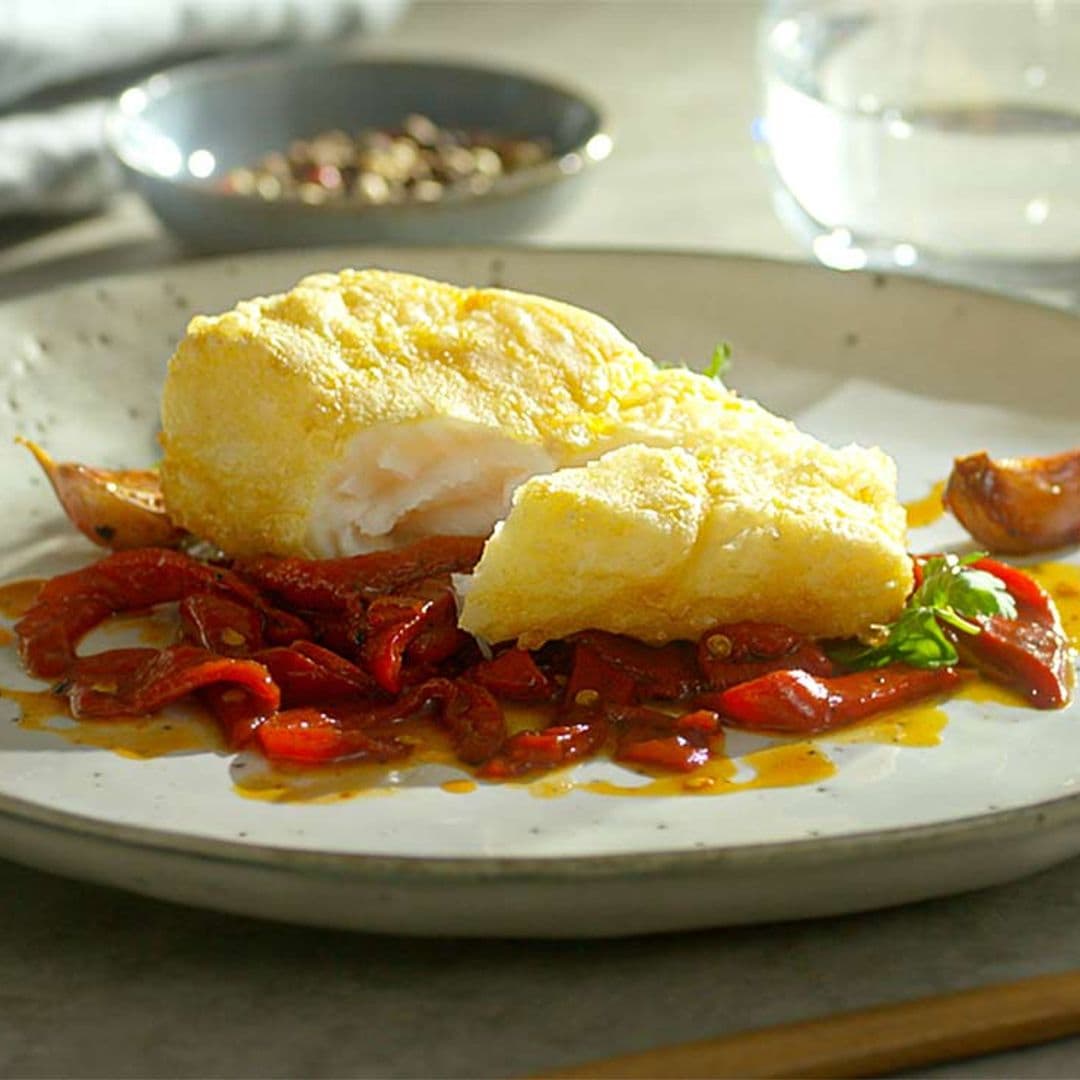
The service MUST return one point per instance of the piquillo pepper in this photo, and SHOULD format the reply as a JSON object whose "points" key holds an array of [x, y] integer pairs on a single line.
{"points": [[1030, 654], [315, 662], [798, 703]]}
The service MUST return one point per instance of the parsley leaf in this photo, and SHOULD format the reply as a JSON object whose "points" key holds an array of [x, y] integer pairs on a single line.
{"points": [[720, 362], [952, 594]]}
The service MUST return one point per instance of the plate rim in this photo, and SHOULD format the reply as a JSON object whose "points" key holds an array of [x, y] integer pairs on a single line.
{"points": [[809, 852], [1055, 812], [794, 262]]}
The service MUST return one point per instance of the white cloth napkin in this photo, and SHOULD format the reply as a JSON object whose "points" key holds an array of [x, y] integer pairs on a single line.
{"points": [[54, 160]]}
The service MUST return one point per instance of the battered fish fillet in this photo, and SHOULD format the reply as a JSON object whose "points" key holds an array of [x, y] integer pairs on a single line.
{"points": [[364, 409], [661, 544]]}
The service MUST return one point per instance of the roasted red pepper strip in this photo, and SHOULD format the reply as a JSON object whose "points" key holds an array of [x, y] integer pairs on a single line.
{"points": [[582, 734], [1023, 654], [340, 631], [471, 716], [1029, 654], [434, 645], [103, 685], [237, 713], [327, 584], [798, 703], [315, 736], [732, 653], [395, 622], [277, 627], [514, 676], [282, 627], [311, 675], [221, 625], [673, 743], [660, 671], [71, 605], [135, 682], [1025, 590], [50, 632], [593, 680]]}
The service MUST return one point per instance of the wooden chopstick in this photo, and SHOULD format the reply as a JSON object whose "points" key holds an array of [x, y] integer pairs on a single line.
{"points": [[868, 1042]]}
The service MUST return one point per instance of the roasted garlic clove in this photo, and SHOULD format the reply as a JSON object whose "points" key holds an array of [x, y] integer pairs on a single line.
{"points": [[1017, 505], [116, 508]]}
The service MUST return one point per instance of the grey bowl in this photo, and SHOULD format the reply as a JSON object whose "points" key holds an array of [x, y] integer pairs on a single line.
{"points": [[237, 110]]}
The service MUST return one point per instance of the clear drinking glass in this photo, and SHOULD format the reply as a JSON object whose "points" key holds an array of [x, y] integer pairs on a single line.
{"points": [[937, 135]]}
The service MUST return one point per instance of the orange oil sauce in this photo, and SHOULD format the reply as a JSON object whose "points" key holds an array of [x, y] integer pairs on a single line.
{"points": [[787, 764], [1062, 582], [784, 765], [928, 509], [141, 737], [458, 787], [17, 596], [914, 725], [984, 690]]}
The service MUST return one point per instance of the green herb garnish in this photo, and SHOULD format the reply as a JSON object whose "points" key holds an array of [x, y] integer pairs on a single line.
{"points": [[952, 593], [720, 362]]}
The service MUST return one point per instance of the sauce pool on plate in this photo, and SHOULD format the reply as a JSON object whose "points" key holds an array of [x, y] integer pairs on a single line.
{"points": [[925, 511]]}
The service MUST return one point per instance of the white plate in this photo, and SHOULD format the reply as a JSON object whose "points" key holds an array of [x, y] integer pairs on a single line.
{"points": [[924, 371]]}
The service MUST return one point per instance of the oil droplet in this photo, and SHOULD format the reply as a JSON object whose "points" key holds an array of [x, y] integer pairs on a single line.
{"points": [[928, 509], [459, 787], [552, 787], [17, 596]]}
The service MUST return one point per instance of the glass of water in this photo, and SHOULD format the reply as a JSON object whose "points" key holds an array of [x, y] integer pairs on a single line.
{"points": [[941, 136]]}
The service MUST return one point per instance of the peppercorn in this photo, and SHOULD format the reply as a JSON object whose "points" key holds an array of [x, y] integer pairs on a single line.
{"points": [[418, 162]]}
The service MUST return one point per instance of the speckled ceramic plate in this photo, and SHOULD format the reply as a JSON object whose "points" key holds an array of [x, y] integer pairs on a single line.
{"points": [[925, 371]]}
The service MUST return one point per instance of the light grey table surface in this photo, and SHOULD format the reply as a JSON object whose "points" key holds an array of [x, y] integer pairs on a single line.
{"points": [[98, 983]]}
